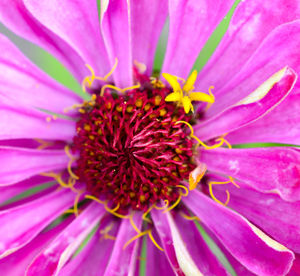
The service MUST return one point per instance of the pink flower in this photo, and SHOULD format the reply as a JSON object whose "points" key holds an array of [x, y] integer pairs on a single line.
{"points": [[134, 168]]}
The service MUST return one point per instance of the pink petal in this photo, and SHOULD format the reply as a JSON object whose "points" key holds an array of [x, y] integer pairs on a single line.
{"points": [[16, 263], [15, 15], [264, 169], [18, 164], [256, 251], [244, 113], [79, 27], [295, 270], [191, 24], [147, 22], [156, 262], [115, 26], [25, 83], [57, 253], [251, 23], [123, 260], [93, 258], [280, 48], [31, 123], [164, 232], [21, 224], [269, 212], [279, 126], [205, 260], [7, 192]]}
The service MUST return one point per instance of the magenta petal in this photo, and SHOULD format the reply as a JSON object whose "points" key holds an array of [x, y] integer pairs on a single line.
{"points": [[26, 84], [156, 262], [16, 16], [163, 229], [147, 20], [205, 260], [252, 21], [93, 258], [21, 224], [295, 270], [244, 113], [280, 48], [18, 164], [269, 212], [191, 24], [57, 253], [16, 263], [264, 169], [123, 260], [115, 26], [279, 126], [256, 251], [30, 123], [79, 27], [7, 192]]}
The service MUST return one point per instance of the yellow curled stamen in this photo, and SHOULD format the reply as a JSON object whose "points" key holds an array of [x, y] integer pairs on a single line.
{"points": [[210, 184], [154, 241], [43, 144], [189, 217], [163, 207], [122, 90], [197, 139], [233, 182], [133, 224], [72, 159], [173, 205], [113, 211], [135, 238], [185, 190], [94, 198], [144, 217], [76, 202]]}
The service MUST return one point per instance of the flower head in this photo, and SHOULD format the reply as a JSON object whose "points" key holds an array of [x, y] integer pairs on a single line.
{"points": [[135, 176]]}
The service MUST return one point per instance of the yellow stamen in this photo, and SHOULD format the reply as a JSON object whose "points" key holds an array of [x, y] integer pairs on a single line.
{"points": [[112, 211], [94, 198], [210, 184], [198, 140], [189, 217], [173, 205], [72, 159], [196, 176], [76, 203], [185, 189], [133, 224], [88, 81], [122, 90], [136, 237], [163, 207], [154, 241], [144, 217], [44, 144]]}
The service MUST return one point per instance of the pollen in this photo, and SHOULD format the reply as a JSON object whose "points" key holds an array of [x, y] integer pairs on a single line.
{"points": [[132, 153]]}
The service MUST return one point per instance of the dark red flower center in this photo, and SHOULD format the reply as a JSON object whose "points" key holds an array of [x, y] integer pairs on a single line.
{"points": [[131, 151]]}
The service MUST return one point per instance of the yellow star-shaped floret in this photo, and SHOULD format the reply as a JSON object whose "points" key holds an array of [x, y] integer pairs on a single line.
{"points": [[185, 95]]}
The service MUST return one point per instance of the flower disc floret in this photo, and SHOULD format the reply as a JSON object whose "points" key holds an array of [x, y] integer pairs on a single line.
{"points": [[131, 151]]}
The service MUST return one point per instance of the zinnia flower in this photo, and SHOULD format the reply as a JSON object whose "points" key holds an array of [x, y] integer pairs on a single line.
{"points": [[147, 166]]}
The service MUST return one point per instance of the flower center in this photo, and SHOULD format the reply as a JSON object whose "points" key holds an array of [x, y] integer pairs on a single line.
{"points": [[131, 151]]}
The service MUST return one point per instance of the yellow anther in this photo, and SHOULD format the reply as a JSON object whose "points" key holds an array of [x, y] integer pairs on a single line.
{"points": [[157, 100], [139, 103], [185, 96], [162, 112]]}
